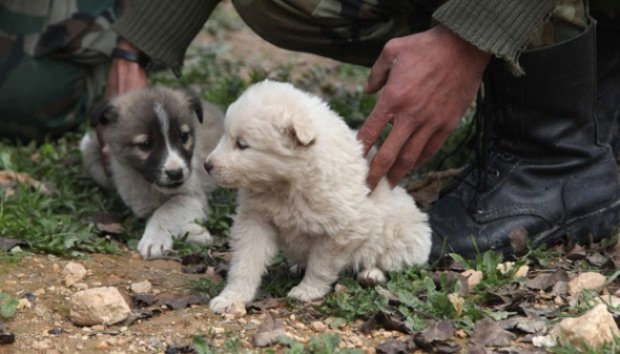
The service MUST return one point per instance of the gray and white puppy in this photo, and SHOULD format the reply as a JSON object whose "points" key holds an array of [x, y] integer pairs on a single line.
{"points": [[157, 139]]}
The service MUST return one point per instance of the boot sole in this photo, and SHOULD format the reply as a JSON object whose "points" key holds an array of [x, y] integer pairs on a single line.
{"points": [[586, 229]]}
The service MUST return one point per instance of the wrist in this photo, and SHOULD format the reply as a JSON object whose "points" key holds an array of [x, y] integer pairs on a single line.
{"points": [[467, 50], [124, 50]]}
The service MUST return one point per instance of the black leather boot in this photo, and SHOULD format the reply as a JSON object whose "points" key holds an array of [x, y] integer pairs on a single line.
{"points": [[608, 87], [544, 168]]}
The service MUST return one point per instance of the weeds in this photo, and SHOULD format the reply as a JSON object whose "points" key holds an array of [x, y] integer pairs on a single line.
{"points": [[8, 306]]}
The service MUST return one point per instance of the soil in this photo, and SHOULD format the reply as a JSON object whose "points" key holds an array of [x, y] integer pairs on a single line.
{"points": [[39, 278]]}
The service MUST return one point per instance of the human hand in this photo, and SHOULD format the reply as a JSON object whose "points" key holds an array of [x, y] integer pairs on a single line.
{"points": [[429, 79], [124, 76]]}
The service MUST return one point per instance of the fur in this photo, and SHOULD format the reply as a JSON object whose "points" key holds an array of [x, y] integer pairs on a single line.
{"points": [[301, 176], [158, 139]]}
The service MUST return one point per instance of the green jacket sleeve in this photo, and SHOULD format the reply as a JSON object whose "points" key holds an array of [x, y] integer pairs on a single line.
{"points": [[163, 29], [500, 27]]}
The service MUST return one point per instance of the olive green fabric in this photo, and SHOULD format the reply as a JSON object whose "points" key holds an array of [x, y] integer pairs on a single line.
{"points": [[53, 63], [163, 29], [355, 31]]}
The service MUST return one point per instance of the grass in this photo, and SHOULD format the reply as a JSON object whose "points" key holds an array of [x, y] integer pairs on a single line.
{"points": [[57, 222], [8, 306]]}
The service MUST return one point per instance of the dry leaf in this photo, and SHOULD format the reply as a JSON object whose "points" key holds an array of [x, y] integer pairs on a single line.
{"points": [[488, 333], [10, 180], [457, 302], [269, 331], [395, 346]]}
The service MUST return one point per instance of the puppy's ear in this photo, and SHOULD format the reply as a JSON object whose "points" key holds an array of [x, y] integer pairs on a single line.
{"points": [[104, 114], [300, 131], [195, 103]]}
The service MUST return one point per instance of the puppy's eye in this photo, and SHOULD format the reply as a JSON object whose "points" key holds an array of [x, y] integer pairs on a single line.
{"points": [[184, 137], [145, 145], [241, 145]]}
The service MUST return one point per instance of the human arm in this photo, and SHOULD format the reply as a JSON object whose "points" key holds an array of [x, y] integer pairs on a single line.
{"points": [[436, 76]]}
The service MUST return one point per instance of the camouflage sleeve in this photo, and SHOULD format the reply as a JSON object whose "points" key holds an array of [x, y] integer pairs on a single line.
{"points": [[164, 29], [500, 27]]}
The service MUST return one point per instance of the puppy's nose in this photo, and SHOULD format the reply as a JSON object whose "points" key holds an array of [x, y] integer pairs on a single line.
{"points": [[175, 174], [208, 166]]}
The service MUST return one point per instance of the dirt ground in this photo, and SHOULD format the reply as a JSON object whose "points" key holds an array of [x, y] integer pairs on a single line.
{"points": [[42, 324]]}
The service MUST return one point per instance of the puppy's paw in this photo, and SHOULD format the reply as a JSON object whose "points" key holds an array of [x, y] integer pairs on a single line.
{"points": [[305, 293], [197, 234], [226, 304], [154, 244], [371, 276]]}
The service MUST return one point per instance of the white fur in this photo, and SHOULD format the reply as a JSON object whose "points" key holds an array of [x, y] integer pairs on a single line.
{"points": [[302, 190], [170, 213]]}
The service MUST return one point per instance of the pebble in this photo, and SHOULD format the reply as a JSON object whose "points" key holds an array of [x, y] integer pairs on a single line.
{"points": [[588, 280], [474, 277], [592, 328], [95, 306], [102, 345], [142, 287], [24, 304], [73, 273], [318, 326]]}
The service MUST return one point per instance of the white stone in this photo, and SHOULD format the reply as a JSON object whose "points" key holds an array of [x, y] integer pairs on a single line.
{"points": [[589, 280], [505, 267], [95, 306], [73, 273], [593, 328], [141, 287], [544, 341], [474, 277], [318, 326], [237, 309]]}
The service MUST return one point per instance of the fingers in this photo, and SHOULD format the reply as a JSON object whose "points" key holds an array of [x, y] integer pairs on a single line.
{"points": [[421, 146], [373, 125], [389, 151], [379, 73]]}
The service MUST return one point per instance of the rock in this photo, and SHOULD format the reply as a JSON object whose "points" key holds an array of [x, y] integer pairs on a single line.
{"points": [[589, 280], [544, 341], [593, 328], [73, 273], [95, 306], [610, 300], [24, 304], [142, 287], [80, 286], [473, 278], [237, 309], [521, 272], [318, 326]]}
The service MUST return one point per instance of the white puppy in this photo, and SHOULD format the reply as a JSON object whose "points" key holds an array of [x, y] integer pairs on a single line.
{"points": [[301, 176], [158, 139]]}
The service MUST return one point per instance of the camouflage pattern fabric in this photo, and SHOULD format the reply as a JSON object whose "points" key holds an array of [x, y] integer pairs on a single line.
{"points": [[355, 31], [54, 56]]}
